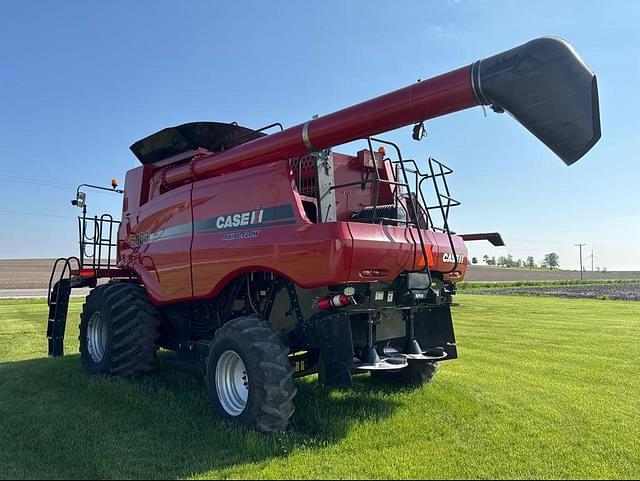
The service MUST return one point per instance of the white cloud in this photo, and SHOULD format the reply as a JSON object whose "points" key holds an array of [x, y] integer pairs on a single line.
{"points": [[444, 31]]}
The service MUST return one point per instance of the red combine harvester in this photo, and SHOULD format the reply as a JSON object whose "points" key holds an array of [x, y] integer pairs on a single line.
{"points": [[261, 258]]}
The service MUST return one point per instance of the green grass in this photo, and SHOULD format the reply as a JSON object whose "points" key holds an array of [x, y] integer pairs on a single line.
{"points": [[463, 286], [544, 388]]}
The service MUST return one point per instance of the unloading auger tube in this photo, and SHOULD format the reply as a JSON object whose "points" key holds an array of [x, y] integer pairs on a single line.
{"points": [[544, 84]]}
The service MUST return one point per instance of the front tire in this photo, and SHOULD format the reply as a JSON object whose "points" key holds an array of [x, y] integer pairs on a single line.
{"points": [[249, 376], [118, 330]]}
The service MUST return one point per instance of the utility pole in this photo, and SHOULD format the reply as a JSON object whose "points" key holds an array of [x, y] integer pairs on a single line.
{"points": [[581, 272]]}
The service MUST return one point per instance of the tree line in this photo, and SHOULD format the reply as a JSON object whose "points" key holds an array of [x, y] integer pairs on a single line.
{"points": [[550, 261]]}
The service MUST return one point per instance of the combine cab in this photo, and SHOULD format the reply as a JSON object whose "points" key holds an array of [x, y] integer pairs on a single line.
{"points": [[264, 257]]}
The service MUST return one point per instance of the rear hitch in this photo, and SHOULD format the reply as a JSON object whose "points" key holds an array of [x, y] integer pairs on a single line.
{"points": [[371, 360]]}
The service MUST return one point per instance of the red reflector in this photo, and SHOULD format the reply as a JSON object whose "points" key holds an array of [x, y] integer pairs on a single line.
{"points": [[87, 273], [420, 264]]}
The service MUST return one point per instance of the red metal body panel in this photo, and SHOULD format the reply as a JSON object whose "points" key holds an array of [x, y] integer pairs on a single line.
{"points": [[174, 246], [395, 249], [309, 254], [163, 265], [381, 247]]}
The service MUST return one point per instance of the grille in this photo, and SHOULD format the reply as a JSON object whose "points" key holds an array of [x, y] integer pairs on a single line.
{"points": [[304, 173]]}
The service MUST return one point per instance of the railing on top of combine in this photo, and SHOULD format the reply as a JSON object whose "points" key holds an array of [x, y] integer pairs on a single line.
{"points": [[98, 243], [410, 207]]}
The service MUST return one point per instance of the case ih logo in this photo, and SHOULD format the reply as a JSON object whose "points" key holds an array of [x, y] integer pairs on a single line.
{"points": [[449, 258], [240, 220], [267, 217]]}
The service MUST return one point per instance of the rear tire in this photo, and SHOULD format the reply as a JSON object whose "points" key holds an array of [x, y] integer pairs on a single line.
{"points": [[249, 375], [118, 331], [415, 374]]}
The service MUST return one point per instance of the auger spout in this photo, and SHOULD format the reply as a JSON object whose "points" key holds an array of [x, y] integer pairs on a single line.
{"points": [[544, 84]]}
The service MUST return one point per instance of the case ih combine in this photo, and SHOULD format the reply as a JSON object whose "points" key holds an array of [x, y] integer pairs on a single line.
{"points": [[261, 258]]}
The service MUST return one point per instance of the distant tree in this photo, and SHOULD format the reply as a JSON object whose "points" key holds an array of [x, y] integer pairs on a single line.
{"points": [[604, 269], [493, 261], [531, 262], [551, 260], [508, 261], [519, 263], [486, 259], [474, 260], [598, 269]]}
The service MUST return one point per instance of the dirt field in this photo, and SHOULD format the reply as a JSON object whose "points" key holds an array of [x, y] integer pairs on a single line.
{"points": [[25, 273], [34, 273], [498, 274]]}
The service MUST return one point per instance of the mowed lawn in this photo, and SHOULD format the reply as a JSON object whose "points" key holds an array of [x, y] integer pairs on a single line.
{"points": [[544, 388]]}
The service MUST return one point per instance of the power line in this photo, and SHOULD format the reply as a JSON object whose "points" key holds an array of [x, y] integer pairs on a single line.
{"points": [[35, 214], [39, 184], [43, 183], [30, 180]]}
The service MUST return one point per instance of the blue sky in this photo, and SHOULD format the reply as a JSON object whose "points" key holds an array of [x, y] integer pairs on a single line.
{"points": [[80, 81]]}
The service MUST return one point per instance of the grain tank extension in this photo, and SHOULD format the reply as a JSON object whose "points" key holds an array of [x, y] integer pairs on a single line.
{"points": [[260, 257]]}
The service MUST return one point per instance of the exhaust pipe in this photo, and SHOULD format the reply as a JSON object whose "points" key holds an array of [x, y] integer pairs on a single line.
{"points": [[547, 87], [544, 84]]}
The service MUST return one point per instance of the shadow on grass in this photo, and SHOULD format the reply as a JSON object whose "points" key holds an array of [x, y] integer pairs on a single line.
{"points": [[57, 422]]}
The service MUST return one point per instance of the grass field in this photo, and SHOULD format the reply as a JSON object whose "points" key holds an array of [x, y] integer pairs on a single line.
{"points": [[544, 388]]}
